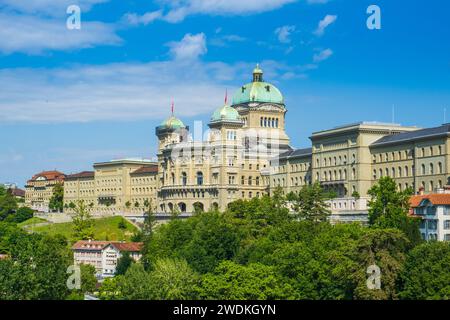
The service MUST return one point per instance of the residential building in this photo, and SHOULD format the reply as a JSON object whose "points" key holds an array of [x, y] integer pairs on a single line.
{"points": [[434, 212], [103, 255]]}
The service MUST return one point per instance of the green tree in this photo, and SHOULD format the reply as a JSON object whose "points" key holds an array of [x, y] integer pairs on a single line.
{"points": [[82, 222], [173, 279], [136, 284], [57, 200], [231, 281], [36, 269], [213, 239], [123, 263], [309, 203], [426, 272], [388, 208], [149, 220], [110, 289], [22, 214], [8, 204]]}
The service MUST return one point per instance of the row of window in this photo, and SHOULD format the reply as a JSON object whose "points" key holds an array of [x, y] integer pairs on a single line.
{"points": [[403, 155], [335, 161], [406, 172], [266, 122]]}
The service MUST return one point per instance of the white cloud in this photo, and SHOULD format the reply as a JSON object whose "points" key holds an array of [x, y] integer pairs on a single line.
{"points": [[124, 91], [322, 55], [224, 40], [145, 19], [178, 10], [32, 35], [53, 8], [191, 47], [283, 33], [324, 23]]}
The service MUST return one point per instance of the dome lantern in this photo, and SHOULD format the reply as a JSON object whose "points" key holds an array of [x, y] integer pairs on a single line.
{"points": [[257, 74]]}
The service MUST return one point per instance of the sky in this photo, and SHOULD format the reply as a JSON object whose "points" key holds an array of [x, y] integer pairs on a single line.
{"points": [[72, 97]]}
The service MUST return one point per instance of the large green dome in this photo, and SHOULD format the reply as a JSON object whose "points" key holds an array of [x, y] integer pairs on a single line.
{"points": [[172, 123], [258, 91], [225, 113]]}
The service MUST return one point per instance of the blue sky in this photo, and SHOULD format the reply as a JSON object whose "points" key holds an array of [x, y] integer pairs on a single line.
{"points": [[69, 98]]}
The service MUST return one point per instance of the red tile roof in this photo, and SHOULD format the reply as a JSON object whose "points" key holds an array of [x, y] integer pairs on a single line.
{"points": [[146, 169], [83, 174], [90, 245], [128, 246], [434, 198], [17, 192], [49, 175], [100, 245]]}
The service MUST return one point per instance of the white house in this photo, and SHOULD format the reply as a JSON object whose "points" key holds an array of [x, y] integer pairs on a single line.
{"points": [[103, 255], [434, 210]]}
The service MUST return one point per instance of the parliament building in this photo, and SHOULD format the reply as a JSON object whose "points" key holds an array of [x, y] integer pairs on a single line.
{"points": [[246, 153]]}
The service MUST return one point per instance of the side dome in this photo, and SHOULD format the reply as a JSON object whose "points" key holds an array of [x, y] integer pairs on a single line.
{"points": [[258, 91], [172, 123], [225, 113]]}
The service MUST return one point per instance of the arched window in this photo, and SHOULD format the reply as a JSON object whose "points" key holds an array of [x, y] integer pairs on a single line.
{"points": [[249, 181], [265, 122], [172, 175], [431, 186], [257, 181], [381, 173], [431, 151], [431, 168], [273, 123], [261, 121], [399, 172], [406, 171], [199, 178], [243, 180], [393, 172], [276, 122], [440, 167], [183, 178], [423, 169]]}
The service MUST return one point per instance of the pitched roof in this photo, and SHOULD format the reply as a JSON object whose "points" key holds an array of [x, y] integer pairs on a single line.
{"points": [[295, 153], [49, 175], [146, 169], [83, 174], [17, 192], [90, 245], [441, 131], [434, 198], [100, 245], [128, 246]]}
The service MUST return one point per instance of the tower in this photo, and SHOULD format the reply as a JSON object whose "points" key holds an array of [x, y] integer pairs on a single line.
{"points": [[261, 107]]}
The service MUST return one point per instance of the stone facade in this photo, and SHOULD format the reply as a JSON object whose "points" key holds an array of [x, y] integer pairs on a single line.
{"points": [[246, 153], [122, 187], [39, 189]]}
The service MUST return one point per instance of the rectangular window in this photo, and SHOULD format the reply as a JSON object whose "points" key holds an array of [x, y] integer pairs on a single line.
{"points": [[446, 224]]}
